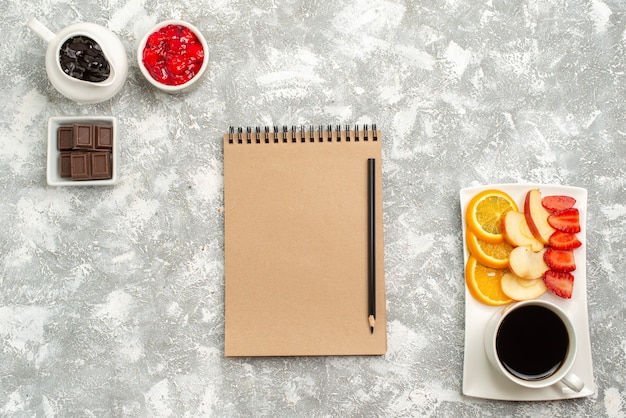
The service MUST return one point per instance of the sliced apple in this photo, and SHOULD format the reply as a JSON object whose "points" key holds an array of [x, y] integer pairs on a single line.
{"points": [[516, 232], [537, 216], [522, 289], [527, 264]]}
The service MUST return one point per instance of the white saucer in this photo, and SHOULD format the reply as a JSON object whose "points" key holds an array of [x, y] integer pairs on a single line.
{"points": [[479, 378]]}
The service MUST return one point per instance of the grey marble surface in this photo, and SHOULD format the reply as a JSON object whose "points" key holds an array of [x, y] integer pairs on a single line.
{"points": [[111, 299]]}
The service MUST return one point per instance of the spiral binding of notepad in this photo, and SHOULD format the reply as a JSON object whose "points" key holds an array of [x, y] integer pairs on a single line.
{"points": [[302, 134]]}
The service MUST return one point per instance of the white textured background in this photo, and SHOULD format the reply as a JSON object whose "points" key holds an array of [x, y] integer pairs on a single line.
{"points": [[111, 299]]}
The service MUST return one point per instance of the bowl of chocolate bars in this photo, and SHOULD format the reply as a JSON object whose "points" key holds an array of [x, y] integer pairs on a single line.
{"points": [[82, 151]]}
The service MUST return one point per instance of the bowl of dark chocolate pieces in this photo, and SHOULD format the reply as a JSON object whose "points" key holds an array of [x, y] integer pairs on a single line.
{"points": [[82, 151], [84, 61]]}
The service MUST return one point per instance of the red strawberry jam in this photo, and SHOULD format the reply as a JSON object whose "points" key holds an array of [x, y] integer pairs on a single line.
{"points": [[173, 55]]}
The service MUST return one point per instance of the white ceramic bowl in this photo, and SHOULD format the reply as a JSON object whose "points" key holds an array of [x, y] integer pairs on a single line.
{"points": [[181, 88], [53, 176], [78, 90]]}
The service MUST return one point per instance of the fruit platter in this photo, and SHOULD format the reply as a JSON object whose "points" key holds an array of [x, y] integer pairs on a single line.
{"points": [[521, 242], [519, 254]]}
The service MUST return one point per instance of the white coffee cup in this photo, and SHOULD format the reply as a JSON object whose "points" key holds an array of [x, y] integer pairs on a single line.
{"points": [[512, 351]]}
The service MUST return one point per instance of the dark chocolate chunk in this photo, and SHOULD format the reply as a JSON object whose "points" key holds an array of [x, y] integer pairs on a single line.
{"points": [[83, 136], [100, 165], [65, 164], [104, 137], [65, 138], [80, 166]]}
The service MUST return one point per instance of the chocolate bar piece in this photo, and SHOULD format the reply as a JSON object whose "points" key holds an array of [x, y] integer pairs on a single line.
{"points": [[80, 166], [100, 165], [65, 138], [104, 137], [83, 136], [65, 164]]}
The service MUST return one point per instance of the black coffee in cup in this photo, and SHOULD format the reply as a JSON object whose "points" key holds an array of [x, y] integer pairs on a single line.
{"points": [[532, 342]]}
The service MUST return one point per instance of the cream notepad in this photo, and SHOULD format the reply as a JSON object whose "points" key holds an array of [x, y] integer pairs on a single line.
{"points": [[296, 243]]}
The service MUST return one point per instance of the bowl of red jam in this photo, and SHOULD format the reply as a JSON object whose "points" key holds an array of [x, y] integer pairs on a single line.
{"points": [[173, 56]]}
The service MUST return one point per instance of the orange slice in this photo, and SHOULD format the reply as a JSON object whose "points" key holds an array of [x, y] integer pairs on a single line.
{"points": [[484, 214], [490, 255], [484, 283]]}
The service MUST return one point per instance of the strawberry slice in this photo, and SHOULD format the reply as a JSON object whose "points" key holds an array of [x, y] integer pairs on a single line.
{"points": [[176, 64], [560, 260], [559, 283], [566, 220], [557, 203], [195, 52], [564, 240], [150, 57], [155, 39]]}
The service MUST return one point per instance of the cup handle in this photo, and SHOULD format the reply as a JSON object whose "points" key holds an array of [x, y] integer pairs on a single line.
{"points": [[573, 382], [42, 31]]}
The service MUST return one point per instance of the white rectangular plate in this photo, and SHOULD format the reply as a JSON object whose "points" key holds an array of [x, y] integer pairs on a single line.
{"points": [[479, 378], [52, 165]]}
